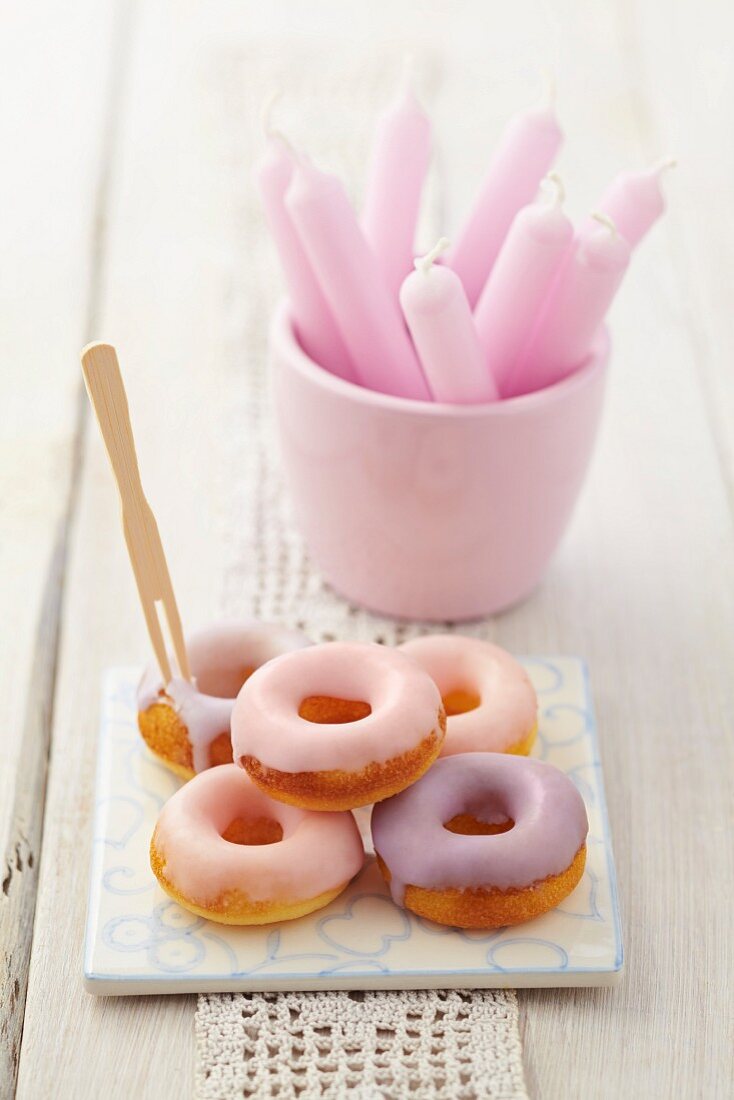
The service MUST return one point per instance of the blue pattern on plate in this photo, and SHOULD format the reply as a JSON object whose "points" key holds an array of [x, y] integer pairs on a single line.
{"points": [[385, 939], [555, 949]]}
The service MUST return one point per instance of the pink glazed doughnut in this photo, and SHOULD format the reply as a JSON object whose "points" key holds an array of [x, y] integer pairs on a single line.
{"points": [[187, 725], [483, 840], [337, 726], [490, 703], [226, 851]]}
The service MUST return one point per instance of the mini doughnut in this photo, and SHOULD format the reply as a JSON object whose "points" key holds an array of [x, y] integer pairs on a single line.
{"points": [[337, 726], [483, 840], [226, 851], [187, 725], [490, 703]]}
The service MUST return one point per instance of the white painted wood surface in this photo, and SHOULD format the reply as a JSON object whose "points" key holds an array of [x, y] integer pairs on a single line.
{"points": [[122, 220], [52, 106]]}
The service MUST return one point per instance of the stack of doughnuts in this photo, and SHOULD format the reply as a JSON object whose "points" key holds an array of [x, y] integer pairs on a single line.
{"points": [[434, 734]]}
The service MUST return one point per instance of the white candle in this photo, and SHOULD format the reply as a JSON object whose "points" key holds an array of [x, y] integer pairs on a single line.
{"points": [[521, 278], [367, 314], [440, 322], [575, 308], [400, 159]]}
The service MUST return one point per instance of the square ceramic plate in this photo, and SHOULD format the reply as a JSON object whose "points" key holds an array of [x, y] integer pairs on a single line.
{"points": [[139, 941]]}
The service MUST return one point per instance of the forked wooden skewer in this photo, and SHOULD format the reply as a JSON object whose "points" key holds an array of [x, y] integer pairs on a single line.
{"points": [[107, 394]]}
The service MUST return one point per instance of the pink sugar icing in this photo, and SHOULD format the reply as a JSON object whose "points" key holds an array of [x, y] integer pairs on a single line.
{"points": [[549, 815], [318, 851], [509, 707], [219, 655], [405, 705]]}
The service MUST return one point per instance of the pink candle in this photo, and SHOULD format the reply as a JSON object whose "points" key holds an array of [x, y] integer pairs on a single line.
{"points": [[366, 313], [526, 151], [520, 280], [634, 201], [441, 324], [398, 168], [574, 310], [314, 324]]}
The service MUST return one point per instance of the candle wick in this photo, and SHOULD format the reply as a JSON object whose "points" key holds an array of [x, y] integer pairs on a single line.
{"points": [[554, 187], [606, 221], [548, 98], [663, 165], [407, 77], [425, 263], [274, 133], [278, 135], [266, 111]]}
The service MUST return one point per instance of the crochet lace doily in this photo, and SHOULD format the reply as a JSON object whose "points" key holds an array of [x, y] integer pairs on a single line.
{"points": [[437, 1044], [442, 1044]]}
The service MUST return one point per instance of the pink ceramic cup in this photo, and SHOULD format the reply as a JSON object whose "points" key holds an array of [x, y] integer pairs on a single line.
{"points": [[429, 511]]}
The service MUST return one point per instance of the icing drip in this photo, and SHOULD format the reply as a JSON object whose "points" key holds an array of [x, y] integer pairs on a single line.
{"points": [[204, 716], [549, 816], [221, 657]]}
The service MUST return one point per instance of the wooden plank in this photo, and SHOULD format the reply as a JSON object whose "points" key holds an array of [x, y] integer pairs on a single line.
{"points": [[53, 66], [679, 56], [86, 1047], [643, 587]]}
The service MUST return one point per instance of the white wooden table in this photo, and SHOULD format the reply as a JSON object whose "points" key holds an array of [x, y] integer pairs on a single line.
{"points": [[125, 205]]}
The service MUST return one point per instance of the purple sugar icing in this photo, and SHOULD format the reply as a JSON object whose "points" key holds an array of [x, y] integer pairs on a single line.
{"points": [[549, 815]]}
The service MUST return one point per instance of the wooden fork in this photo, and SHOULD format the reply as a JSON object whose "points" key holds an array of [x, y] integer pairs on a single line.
{"points": [[107, 394]]}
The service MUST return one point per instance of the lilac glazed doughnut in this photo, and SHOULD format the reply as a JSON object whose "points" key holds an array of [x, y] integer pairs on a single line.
{"points": [[490, 702], [337, 726], [226, 851], [483, 840], [187, 726]]}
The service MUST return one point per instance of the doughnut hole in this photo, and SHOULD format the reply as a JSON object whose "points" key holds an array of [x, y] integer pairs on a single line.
{"points": [[327, 709], [220, 750], [469, 825], [484, 816], [253, 831], [221, 681], [460, 701]]}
